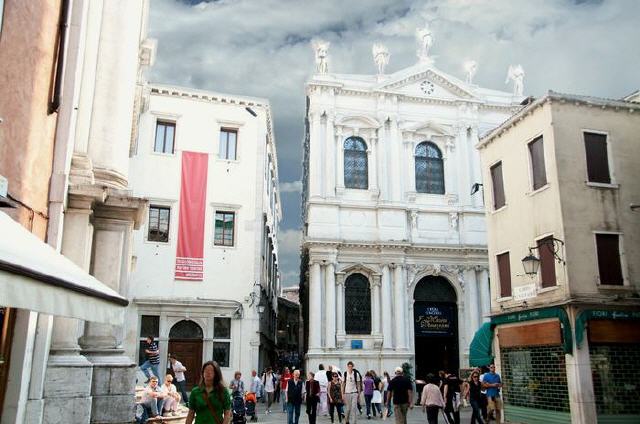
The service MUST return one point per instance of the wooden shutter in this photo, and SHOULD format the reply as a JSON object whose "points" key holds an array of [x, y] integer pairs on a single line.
{"points": [[609, 265], [547, 262], [597, 158], [498, 187], [504, 273], [536, 150]]}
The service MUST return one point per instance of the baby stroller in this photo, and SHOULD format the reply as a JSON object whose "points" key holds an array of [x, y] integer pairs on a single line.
{"points": [[238, 409], [250, 406]]}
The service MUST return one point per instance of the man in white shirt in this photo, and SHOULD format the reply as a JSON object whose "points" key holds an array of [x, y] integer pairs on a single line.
{"points": [[321, 377], [269, 383], [180, 380], [351, 388], [256, 385]]}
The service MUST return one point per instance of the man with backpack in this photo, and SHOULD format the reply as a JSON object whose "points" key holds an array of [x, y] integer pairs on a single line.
{"points": [[351, 389]]}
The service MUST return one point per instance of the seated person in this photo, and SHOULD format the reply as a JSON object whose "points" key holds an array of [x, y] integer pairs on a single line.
{"points": [[171, 396], [153, 398]]}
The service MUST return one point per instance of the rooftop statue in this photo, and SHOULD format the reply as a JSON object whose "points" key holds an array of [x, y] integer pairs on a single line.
{"points": [[516, 74], [321, 49], [424, 37], [380, 57], [470, 68]]}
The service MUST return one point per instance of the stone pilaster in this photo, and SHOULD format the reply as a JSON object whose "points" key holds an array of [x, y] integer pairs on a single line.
{"points": [[340, 330], [315, 324], [330, 307], [387, 330], [400, 305]]}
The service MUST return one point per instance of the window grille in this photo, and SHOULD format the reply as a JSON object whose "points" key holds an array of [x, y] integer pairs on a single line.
{"points": [[357, 312], [429, 169], [356, 167]]}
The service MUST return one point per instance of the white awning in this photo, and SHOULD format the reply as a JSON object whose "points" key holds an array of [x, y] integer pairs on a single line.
{"points": [[34, 276]]}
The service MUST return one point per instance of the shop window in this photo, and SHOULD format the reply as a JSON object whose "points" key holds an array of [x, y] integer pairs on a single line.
{"points": [[609, 264], [429, 169], [357, 297], [498, 186], [614, 384], [356, 166], [228, 144], [535, 377], [165, 137], [547, 261], [597, 158], [504, 274], [159, 218], [536, 152]]}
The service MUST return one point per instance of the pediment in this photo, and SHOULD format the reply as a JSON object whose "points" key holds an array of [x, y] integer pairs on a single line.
{"points": [[359, 268], [358, 121], [427, 129], [427, 83]]}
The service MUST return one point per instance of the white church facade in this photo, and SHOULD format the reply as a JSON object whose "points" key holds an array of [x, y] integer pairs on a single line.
{"points": [[394, 247]]}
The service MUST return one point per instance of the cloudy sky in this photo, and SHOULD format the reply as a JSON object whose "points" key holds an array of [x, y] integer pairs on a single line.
{"points": [[262, 48]]}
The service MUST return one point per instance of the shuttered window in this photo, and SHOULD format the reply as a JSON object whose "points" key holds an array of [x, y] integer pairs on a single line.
{"points": [[498, 186], [597, 158], [609, 264], [504, 274], [547, 262], [536, 151]]}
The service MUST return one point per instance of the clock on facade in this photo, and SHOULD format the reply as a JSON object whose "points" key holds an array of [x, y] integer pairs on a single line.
{"points": [[427, 87]]}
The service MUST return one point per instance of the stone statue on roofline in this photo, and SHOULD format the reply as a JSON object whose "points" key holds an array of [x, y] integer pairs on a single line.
{"points": [[321, 49], [424, 37], [380, 57], [470, 69], [516, 74]]}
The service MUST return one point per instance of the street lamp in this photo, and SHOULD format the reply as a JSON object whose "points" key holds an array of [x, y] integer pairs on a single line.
{"points": [[257, 297], [531, 263]]}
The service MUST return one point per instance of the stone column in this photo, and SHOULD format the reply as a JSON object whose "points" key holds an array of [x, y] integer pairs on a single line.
{"points": [[113, 383], [400, 305], [339, 161], [116, 74], [330, 158], [409, 166], [395, 164], [387, 330], [464, 186], [472, 301], [68, 390], [372, 154], [485, 295], [315, 323], [382, 162], [330, 307], [375, 311], [340, 331], [315, 155]]}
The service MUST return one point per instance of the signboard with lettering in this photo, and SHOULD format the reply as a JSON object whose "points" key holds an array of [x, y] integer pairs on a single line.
{"points": [[524, 292], [434, 319], [356, 344]]}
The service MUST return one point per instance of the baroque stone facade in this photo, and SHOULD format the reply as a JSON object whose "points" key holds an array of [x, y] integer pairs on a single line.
{"points": [[389, 162]]}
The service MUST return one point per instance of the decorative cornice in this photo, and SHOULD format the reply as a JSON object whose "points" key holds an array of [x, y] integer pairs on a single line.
{"points": [[403, 246]]}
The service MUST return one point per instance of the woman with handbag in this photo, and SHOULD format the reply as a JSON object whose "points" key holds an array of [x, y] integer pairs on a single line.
{"points": [[334, 391], [210, 402]]}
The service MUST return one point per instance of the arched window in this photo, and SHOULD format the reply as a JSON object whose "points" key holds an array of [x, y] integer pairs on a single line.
{"points": [[185, 329], [357, 305], [356, 168], [429, 169]]}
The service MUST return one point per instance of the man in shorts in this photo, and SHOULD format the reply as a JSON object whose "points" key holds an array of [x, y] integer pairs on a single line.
{"points": [[493, 383]]}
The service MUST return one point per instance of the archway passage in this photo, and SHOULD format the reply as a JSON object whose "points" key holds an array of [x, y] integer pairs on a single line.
{"points": [[435, 313], [185, 343]]}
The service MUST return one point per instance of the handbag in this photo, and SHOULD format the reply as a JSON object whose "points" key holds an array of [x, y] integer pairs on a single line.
{"points": [[210, 407], [377, 397]]}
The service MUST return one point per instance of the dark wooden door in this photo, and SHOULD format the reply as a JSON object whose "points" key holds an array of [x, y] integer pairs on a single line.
{"points": [[189, 353]]}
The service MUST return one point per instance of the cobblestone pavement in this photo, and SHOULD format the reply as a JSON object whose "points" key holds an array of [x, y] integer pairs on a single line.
{"points": [[415, 417]]}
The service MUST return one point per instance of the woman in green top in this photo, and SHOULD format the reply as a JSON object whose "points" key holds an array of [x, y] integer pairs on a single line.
{"points": [[210, 402]]}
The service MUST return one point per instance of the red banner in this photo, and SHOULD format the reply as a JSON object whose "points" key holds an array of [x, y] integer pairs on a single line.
{"points": [[193, 198]]}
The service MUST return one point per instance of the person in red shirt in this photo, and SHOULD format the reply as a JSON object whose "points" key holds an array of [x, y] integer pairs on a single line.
{"points": [[286, 376]]}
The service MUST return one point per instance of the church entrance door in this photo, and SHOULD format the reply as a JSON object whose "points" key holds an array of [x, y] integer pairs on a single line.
{"points": [[435, 314], [185, 343]]}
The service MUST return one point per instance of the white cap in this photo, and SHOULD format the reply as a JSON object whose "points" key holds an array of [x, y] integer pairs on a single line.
{"points": [[398, 370]]}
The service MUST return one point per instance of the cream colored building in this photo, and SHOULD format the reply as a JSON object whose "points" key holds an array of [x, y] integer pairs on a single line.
{"points": [[569, 167]]}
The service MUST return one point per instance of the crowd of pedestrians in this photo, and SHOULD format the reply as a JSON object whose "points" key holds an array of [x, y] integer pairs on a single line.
{"points": [[325, 392]]}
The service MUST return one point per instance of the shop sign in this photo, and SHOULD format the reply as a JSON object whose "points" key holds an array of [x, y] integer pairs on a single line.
{"points": [[524, 292], [434, 320], [589, 314]]}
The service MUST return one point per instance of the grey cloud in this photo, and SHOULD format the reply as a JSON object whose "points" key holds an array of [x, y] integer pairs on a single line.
{"points": [[260, 48]]}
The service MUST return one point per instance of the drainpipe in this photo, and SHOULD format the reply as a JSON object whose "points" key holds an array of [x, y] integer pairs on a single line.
{"points": [[63, 24]]}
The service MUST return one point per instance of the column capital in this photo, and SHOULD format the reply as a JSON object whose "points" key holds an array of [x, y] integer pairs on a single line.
{"points": [[376, 281], [340, 278]]}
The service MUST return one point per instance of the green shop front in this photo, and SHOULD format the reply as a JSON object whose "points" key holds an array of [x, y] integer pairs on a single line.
{"points": [[531, 349]]}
